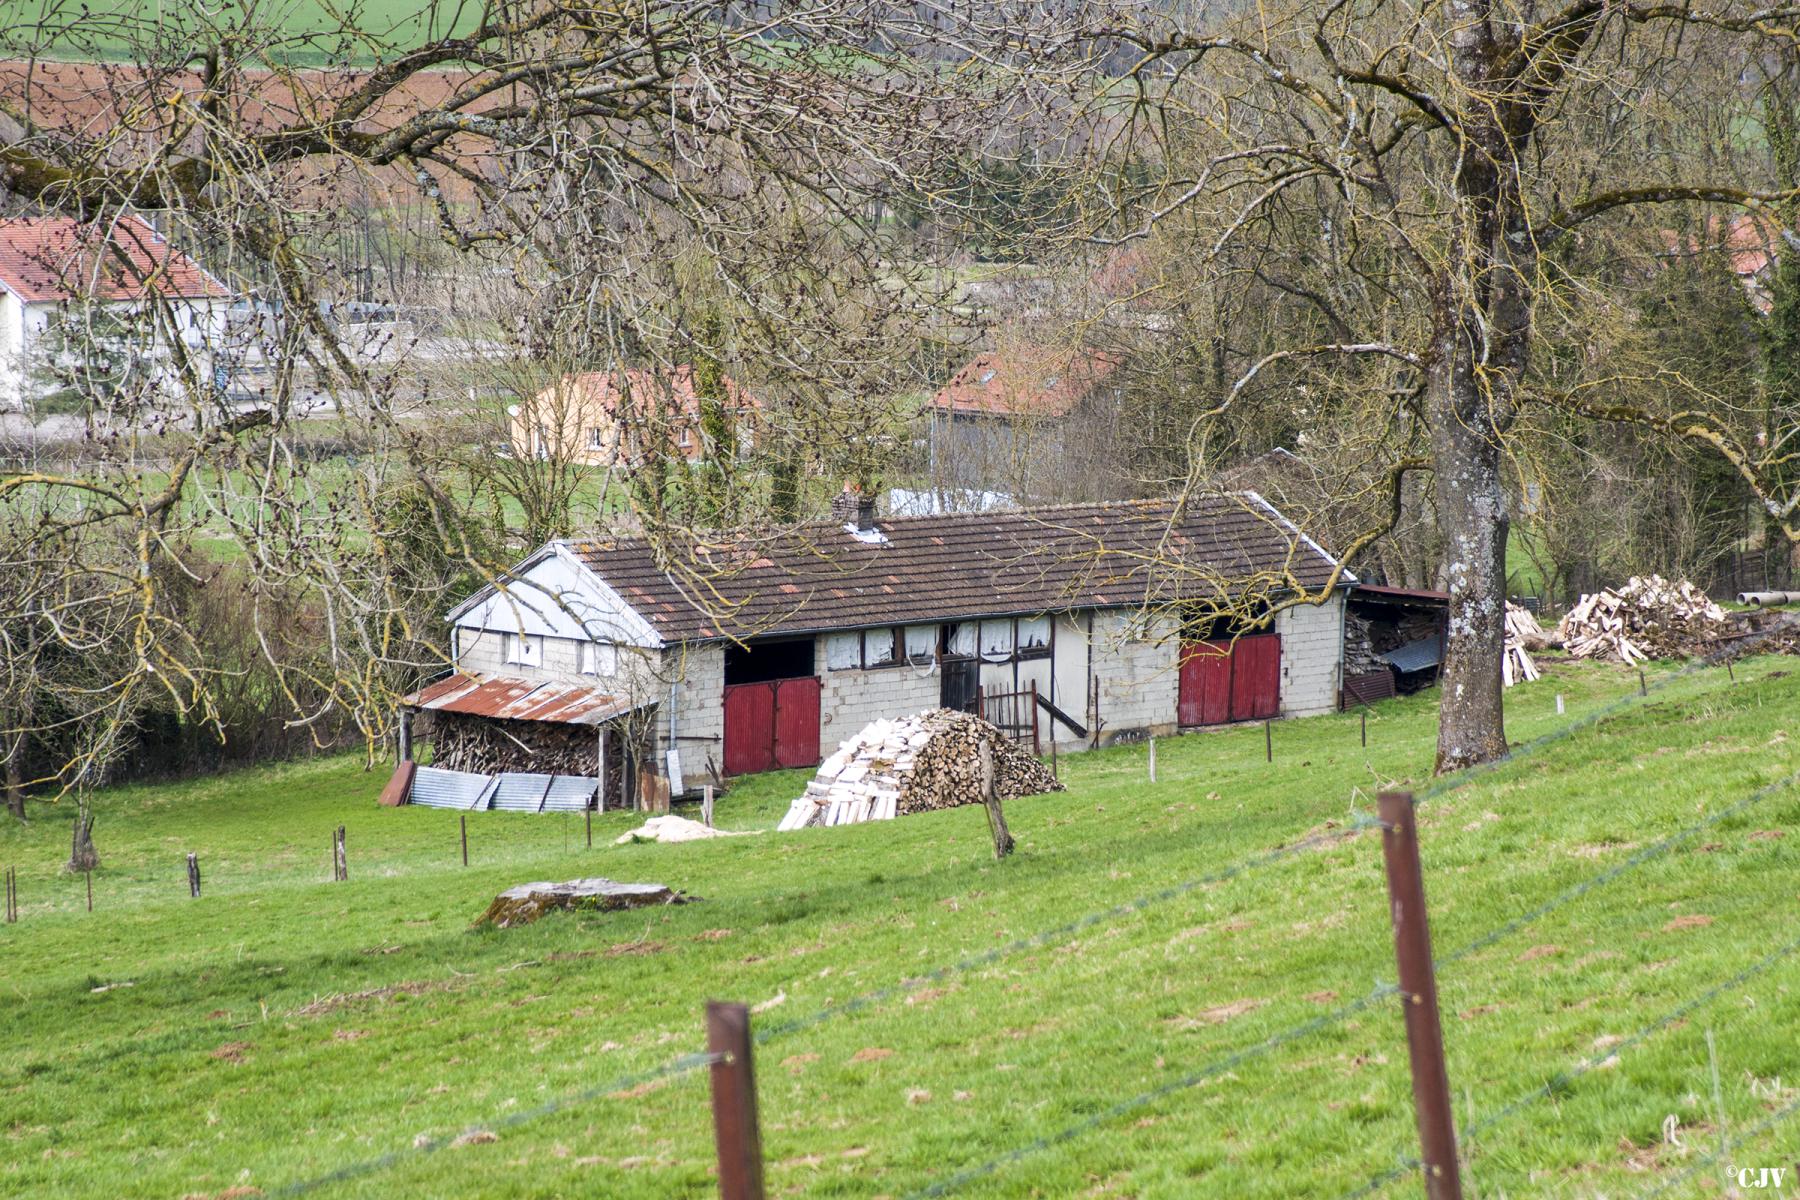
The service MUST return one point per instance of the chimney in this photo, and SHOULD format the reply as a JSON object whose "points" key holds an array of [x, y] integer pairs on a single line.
{"points": [[854, 509]]}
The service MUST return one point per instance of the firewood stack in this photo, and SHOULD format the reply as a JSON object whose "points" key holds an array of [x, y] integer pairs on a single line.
{"points": [[915, 764], [1523, 634], [1649, 617]]}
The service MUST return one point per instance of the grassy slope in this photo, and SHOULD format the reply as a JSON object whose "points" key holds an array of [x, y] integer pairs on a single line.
{"points": [[284, 1026]]}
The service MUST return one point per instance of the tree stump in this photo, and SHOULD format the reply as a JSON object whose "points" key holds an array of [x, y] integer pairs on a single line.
{"points": [[526, 902], [82, 855]]}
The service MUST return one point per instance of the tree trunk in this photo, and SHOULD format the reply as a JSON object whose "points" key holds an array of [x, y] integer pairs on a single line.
{"points": [[1472, 513], [82, 855], [15, 777]]}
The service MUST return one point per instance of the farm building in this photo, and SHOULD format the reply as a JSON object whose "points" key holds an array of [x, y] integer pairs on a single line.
{"points": [[1079, 624]]}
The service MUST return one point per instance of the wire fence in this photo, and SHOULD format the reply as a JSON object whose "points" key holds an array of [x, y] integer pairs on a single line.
{"points": [[687, 1063]]}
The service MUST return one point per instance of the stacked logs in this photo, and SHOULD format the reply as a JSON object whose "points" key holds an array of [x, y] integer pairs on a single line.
{"points": [[1523, 634], [1649, 617], [915, 764]]}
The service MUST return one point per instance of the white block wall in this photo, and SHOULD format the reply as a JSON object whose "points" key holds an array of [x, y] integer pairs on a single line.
{"points": [[851, 699], [1312, 656], [1137, 669]]}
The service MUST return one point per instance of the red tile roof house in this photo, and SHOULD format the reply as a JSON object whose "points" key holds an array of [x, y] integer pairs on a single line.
{"points": [[1029, 421], [731, 659], [49, 264]]}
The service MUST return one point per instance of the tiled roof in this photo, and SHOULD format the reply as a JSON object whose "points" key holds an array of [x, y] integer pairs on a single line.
{"points": [[47, 259], [962, 565], [1026, 381]]}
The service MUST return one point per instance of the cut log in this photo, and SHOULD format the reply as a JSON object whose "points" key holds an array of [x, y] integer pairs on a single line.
{"points": [[526, 902]]}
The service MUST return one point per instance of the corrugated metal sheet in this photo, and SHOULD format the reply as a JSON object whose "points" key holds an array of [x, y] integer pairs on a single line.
{"points": [[571, 793], [435, 787], [519, 700], [508, 791], [521, 791], [1417, 656]]}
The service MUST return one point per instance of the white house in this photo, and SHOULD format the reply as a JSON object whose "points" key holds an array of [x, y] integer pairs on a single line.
{"points": [[1077, 624], [52, 269]]}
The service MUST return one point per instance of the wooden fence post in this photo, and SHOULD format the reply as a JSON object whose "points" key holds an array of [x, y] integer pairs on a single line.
{"points": [[90, 889], [1268, 741], [12, 895], [340, 858], [463, 820], [706, 805], [1153, 758], [1418, 995], [1643, 689], [193, 865], [735, 1129], [1365, 724], [589, 814]]}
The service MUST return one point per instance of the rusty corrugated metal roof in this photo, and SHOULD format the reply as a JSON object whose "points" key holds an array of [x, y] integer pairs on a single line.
{"points": [[519, 700]]}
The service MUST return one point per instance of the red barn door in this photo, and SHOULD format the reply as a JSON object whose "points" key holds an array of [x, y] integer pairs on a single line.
{"points": [[771, 724], [797, 723], [749, 728], [1256, 677], [1204, 694]]}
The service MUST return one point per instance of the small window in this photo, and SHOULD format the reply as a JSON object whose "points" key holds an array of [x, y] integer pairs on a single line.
{"points": [[879, 647], [523, 649], [687, 437], [598, 658], [1034, 635], [596, 438], [997, 638], [988, 376], [961, 641], [843, 651], [921, 644]]}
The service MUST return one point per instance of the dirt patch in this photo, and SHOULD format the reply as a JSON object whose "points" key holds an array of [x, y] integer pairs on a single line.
{"points": [[1321, 997], [712, 935], [1480, 1010], [871, 1054], [1537, 952], [1218, 1014], [1691, 921], [349, 1035], [342, 1000], [642, 1089], [476, 1137], [796, 1063], [233, 1052], [1767, 835]]}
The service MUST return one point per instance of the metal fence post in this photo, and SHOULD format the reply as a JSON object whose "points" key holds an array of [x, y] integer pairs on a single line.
{"points": [[1268, 740], [1418, 994], [735, 1128]]}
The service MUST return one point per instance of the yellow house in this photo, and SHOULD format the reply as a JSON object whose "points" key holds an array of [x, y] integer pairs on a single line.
{"points": [[617, 418]]}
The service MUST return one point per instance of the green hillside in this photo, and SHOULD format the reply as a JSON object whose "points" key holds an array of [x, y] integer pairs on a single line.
{"points": [[1218, 941]]}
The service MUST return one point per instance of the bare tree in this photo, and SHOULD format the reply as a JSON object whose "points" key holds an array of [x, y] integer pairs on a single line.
{"points": [[1416, 178], [584, 171]]}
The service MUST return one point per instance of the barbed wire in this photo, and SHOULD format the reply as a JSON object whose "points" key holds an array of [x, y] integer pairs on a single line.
{"points": [[430, 1145], [1761, 1127], [1562, 1079], [1294, 1033], [1739, 649], [1357, 822]]}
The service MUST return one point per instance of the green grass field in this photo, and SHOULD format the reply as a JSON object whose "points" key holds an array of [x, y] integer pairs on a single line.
{"points": [[284, 1027], [301, 32]]}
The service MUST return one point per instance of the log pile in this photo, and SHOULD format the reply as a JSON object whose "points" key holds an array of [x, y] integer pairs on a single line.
{"points": [[1523, 634], [915, 764], [1649, 617], [527, 902]]}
